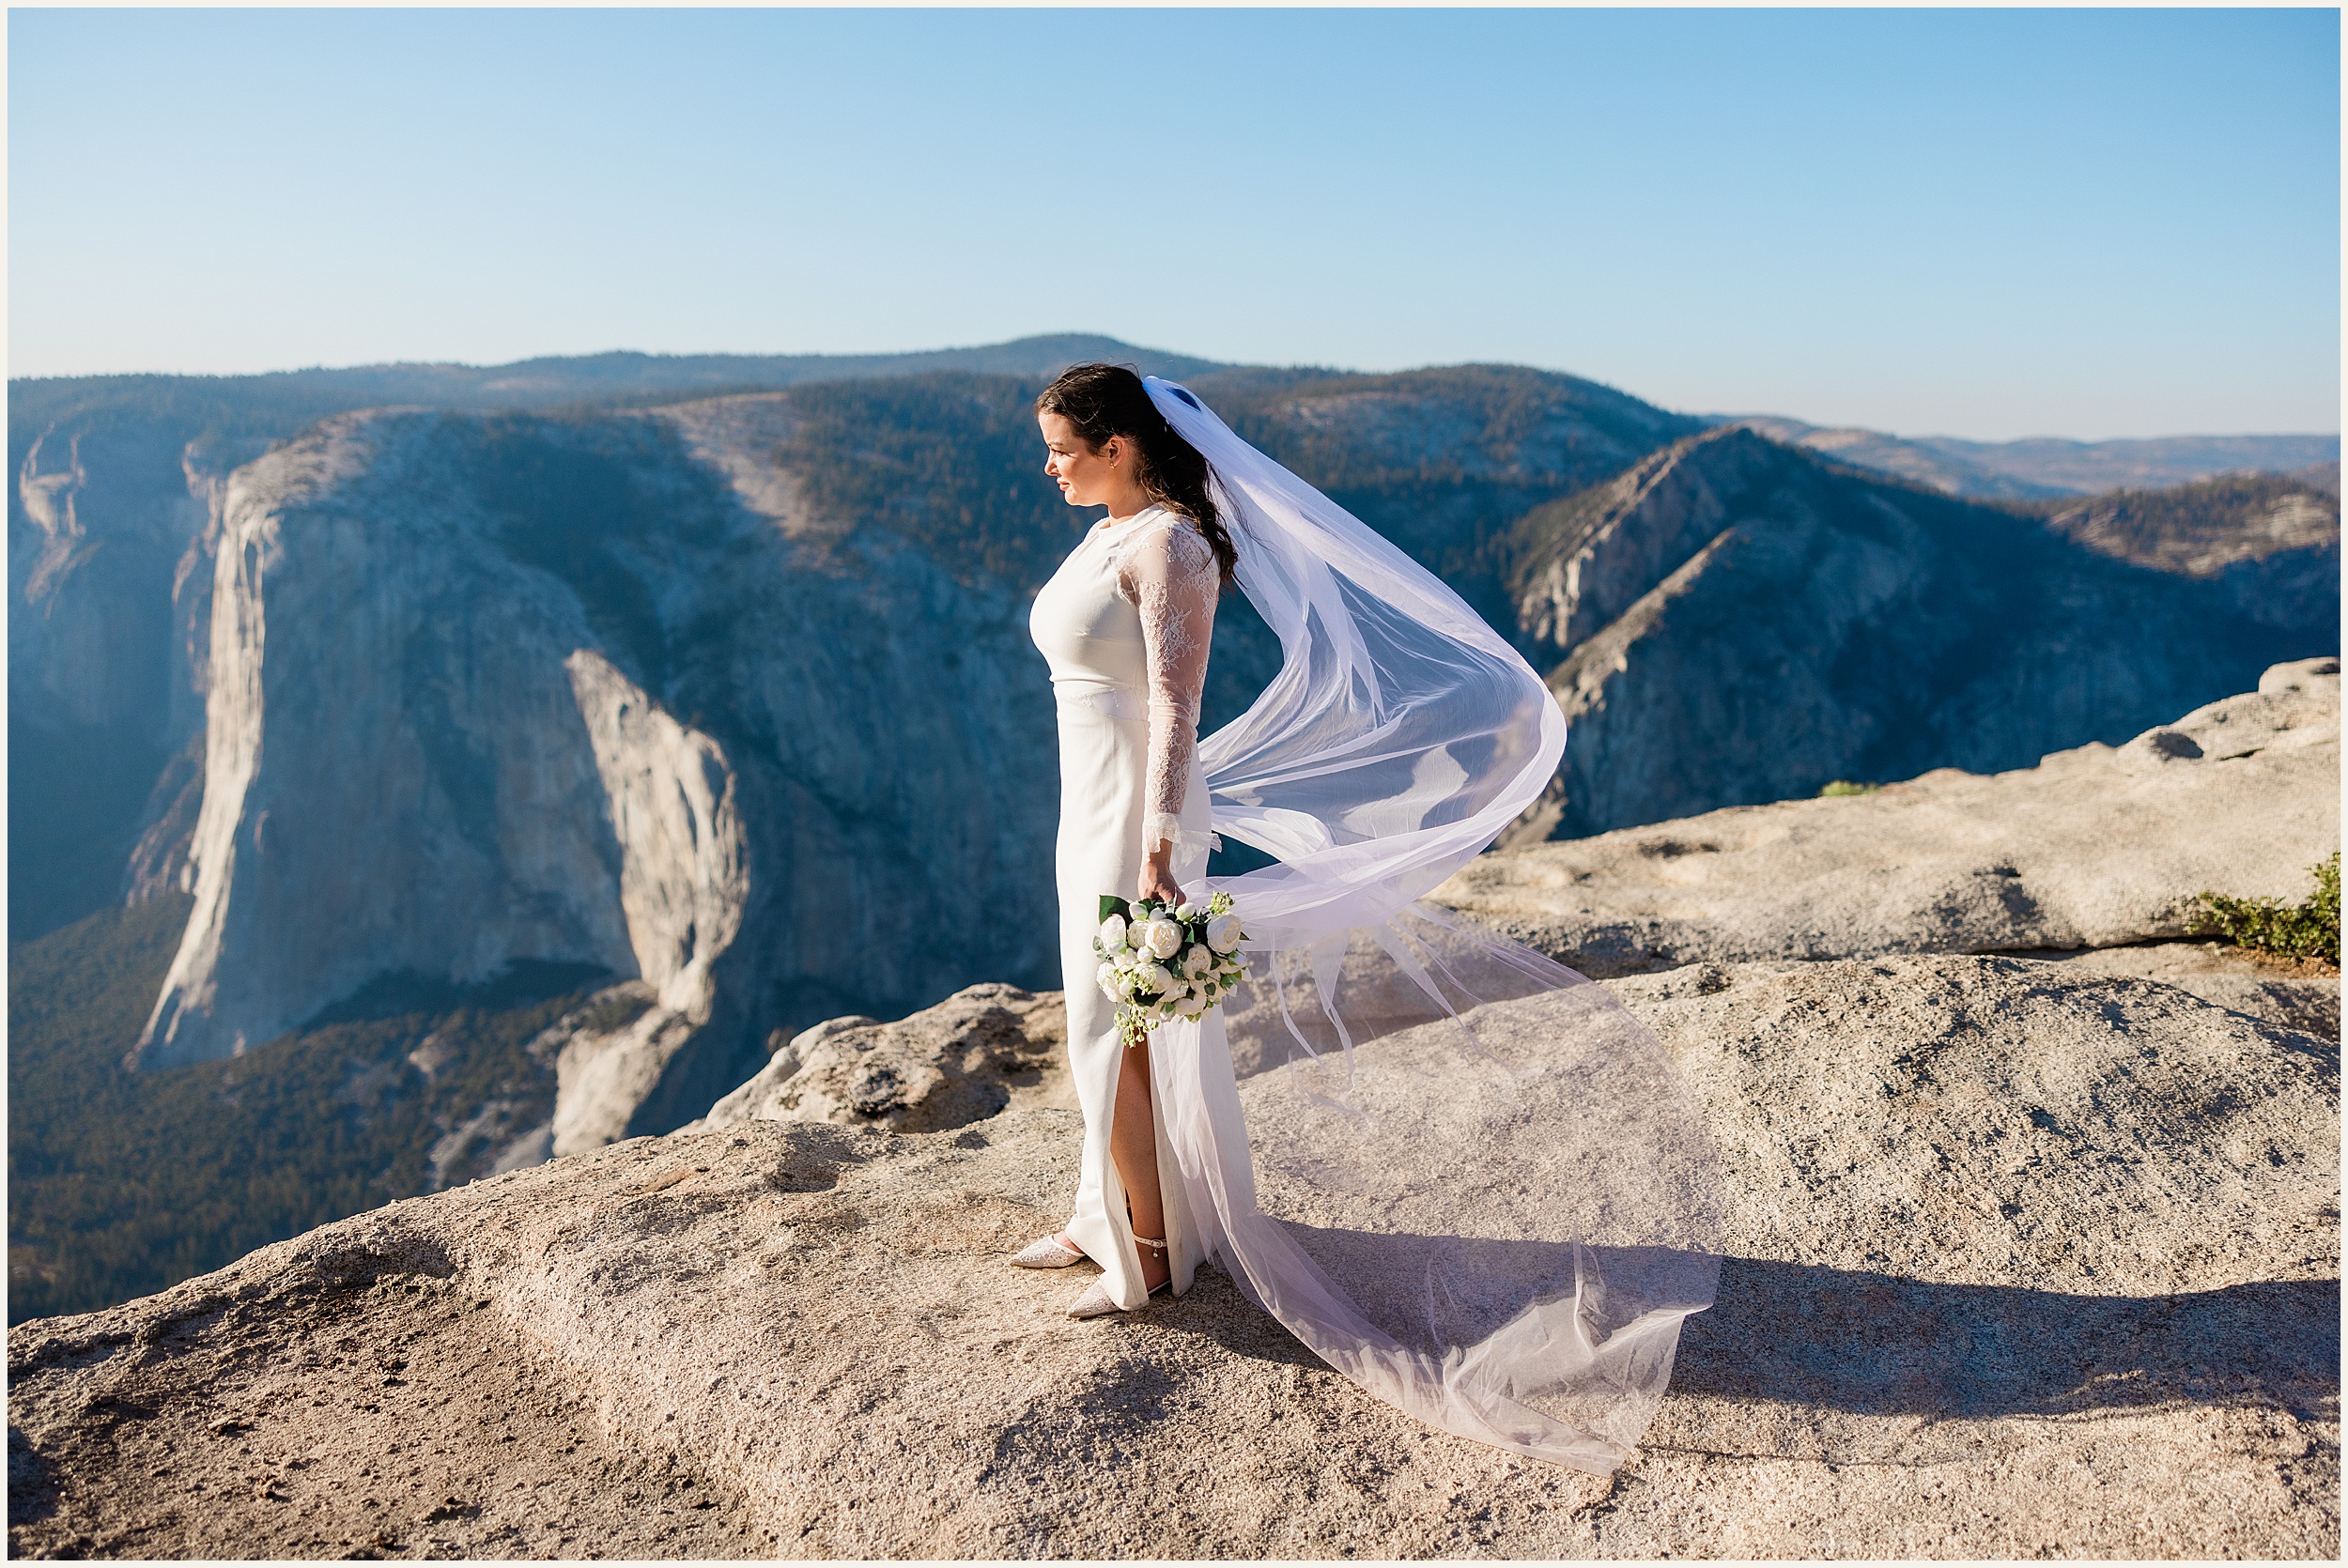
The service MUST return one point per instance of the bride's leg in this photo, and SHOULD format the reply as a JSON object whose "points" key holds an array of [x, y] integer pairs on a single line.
{"points": [[1134, 1144]]}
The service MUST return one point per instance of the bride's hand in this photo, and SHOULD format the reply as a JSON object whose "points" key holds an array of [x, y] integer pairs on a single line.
{"points": [[1157, 883]]}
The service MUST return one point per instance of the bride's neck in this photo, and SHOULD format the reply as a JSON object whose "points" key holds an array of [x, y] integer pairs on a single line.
{"points": [[1130, 501]]}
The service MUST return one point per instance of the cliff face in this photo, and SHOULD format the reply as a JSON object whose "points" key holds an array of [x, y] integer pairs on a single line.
{"points": [[112, 525], [398, 777], [493, 690], [1739, 624], [110, 535]]}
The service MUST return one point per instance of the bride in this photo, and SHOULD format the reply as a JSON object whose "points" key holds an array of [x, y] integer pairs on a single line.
{"points": [[1461, 1173]]}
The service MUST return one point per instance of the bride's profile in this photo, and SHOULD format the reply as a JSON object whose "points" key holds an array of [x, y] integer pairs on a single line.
{"points": [[1459, 1173]]}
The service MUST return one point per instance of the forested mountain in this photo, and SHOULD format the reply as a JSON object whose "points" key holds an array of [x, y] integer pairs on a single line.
{"points": [[497, 774], [2203, 529]]}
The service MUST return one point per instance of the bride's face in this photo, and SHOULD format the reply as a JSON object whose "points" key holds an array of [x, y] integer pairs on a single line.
{"points": [[1086, 477]]}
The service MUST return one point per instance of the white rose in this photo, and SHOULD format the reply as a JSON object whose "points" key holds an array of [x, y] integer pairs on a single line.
{"points": [[1191, 1006], [1113, 932], [1137, 935], [1106, 975], [1223, 932], [1123, 958], [1156, 978], [1196, 961], [1163, 937], [1186, 912]]}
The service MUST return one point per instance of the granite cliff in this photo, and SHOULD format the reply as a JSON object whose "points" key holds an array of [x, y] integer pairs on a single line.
{"points": [[1734, 621], [113, 524], [487, 691]]}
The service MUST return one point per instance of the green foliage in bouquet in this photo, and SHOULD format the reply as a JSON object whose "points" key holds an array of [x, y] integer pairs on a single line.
{"points": [[2308, 930], [1163, 961]]}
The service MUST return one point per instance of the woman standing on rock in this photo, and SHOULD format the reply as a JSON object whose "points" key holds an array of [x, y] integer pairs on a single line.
{"points": [[1496, 1202], [1124, 624]]}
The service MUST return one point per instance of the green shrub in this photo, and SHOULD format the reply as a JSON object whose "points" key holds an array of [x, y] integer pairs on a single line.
{"points": [[2308, 930], [1845, 786]]}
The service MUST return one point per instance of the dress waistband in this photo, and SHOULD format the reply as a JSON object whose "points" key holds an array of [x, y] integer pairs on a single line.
{"points": [[1102, 697]]}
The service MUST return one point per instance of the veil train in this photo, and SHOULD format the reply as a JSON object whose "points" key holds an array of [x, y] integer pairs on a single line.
{"points": [[1462, 1174]]}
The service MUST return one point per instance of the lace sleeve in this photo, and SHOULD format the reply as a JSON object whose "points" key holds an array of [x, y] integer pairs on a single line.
{"points": [[1169, 573]]}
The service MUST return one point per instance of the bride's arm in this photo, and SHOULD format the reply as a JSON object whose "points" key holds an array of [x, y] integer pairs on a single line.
{"points": [[1171, 577]]}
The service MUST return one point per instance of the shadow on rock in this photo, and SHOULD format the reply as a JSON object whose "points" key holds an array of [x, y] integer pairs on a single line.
{"points": [[1865, 1343], [1877, 1344], [31, 1490]]}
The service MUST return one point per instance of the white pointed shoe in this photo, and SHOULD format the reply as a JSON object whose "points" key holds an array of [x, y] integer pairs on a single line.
{"points": [[1049, 1252], [1096, 1301]]}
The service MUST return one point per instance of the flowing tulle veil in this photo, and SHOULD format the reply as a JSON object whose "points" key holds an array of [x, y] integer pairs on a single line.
{"points": [[1461, 1173]]}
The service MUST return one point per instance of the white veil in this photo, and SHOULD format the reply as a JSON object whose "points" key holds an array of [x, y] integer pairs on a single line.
{"points": [[1461, 1173]]}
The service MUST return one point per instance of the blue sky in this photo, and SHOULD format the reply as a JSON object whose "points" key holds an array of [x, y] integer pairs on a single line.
{"points": [[1987, 224]]}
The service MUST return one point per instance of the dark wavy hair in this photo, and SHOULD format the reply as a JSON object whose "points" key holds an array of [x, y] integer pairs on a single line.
{"points": [[1106, 400]]}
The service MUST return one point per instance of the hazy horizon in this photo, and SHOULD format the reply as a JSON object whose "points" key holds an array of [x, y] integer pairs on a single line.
{"points": [[1147, 348]]}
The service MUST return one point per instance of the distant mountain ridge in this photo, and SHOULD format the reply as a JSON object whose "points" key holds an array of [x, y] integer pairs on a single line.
{"points": [[555, 380], [2045, 468]]}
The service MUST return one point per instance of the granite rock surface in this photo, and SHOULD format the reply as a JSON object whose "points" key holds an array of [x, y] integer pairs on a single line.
{"points": [[2022, 1260], [982, 1050], [2097, 847]]}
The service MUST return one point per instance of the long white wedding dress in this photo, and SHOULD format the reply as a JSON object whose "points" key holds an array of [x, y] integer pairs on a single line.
{"points": [[1459, 1173], [1125, 625]]}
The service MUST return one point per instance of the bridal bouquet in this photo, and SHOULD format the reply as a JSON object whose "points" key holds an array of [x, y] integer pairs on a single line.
{"points": [[1162, 962]]}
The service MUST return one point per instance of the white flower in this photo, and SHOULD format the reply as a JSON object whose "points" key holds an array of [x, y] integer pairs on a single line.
{"points": [[1113, 932], [1123, 958], [1137, 935], [1163, 938], [1186, 912], [1191, 1006], [1154, 977], [1197, 962], [1223, 932], [1106, 975]]}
